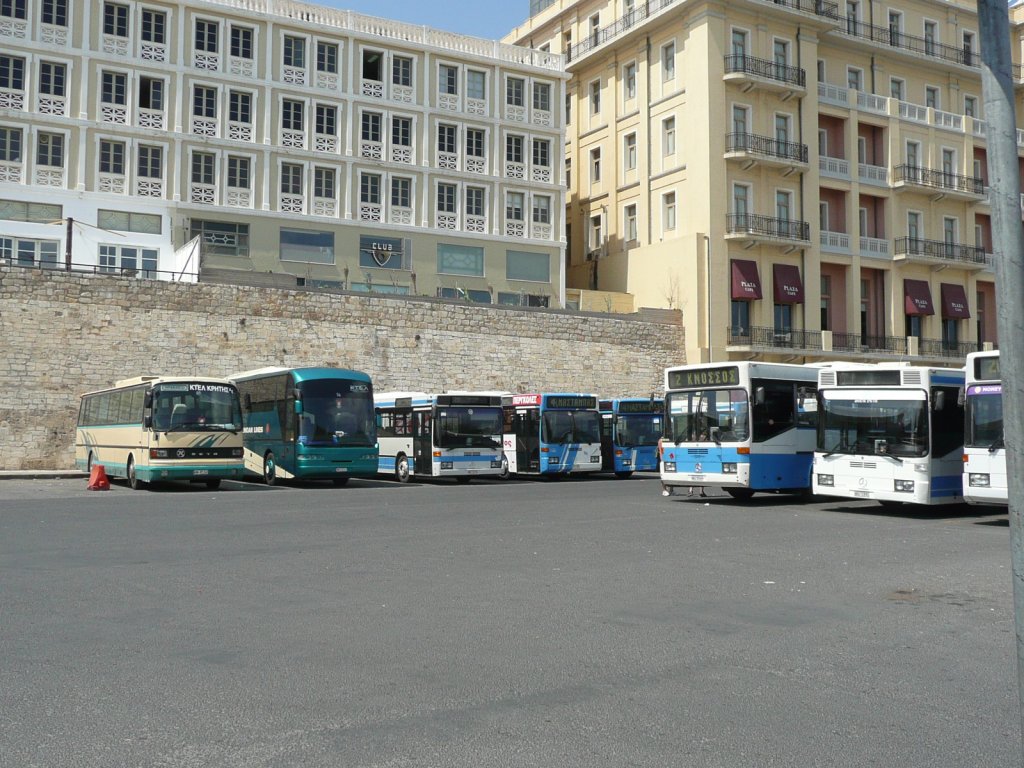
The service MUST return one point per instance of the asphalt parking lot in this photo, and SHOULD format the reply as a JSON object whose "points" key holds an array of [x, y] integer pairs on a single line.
{"points": [[569, 623]]}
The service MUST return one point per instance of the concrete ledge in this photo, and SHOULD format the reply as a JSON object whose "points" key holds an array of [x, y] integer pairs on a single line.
{"points": [[42, 474]]}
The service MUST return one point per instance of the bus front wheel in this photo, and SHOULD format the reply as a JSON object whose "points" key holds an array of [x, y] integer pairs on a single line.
{"points": [[402, 469], [269, 469], [133, 479], [504, 474], [740, 493]]}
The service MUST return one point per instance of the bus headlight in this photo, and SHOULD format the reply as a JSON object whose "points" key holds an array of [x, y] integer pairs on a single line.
{"points": [[159, 453], [310, 457], [920, 467], [903, 486], [447, 465], [729, 468], [827, 480], [670, 466], [495, 463], [977, 480]]}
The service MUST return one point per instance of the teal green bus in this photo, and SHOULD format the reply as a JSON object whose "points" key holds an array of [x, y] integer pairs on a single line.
{"points": [[308, 424]]}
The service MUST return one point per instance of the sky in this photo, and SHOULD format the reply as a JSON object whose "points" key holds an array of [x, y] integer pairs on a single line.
{"points": [[480, 18]]}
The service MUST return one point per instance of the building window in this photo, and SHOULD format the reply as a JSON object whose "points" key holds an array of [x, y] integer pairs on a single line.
{"points": [[154, 26], [514, 149], [780, 50], [668, 205], [447, 138], [595, 97], [532, 267], [327, 57], [150, 162], [291, 115], [668, 136], [475, 205], [326, 120], [629, 152], [448, 80], [239, 172], [931, 96], [204, 101], [113, 88], [568, 108], [740, 318], [128, 258], [854, 78], [541, 209], [401, 192], [50, 150], [896, 88], [826, 302], [514, 204], [307, 246], [112, 157], [971, 106], [930, 37], [476, 85], [221, 238], [115, 19], [515, 88], [460, 260], [206, 36], [401, 71], [55, 12], [127, 221], [291, 179], [151, 94], [401, 131], [475, 142], [370, 126], [596, 239], [629, 223], [36, 213], [241, 42], [10, 145], [294, 54], [913, 225], [668, 62], [542, 97], [12, 73], [29, 253], [369, 188], [202, 168], [629, 82], [595, 165], [783, 205], [541, 153], [783, 318], [568, 172], [595, 29], [324, 182], [446, 197], [372, 63], [240, 107]]}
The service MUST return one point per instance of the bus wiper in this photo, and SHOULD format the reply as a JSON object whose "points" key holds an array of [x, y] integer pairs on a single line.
{"points": [[835, 449], [897, 459], [996, 445]]}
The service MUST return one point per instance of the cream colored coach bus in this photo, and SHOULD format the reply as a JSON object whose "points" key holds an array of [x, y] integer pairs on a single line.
{"points": [[152, 428]]}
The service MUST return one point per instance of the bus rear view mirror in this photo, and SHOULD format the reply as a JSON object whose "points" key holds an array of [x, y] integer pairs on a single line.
{"points": [[298, 406], [940, 401], [148, 401], [759, 396], [147, 421]]}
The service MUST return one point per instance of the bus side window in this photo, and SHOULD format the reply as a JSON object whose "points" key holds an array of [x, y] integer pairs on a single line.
{"points": [[806, 405], [776, 414]]}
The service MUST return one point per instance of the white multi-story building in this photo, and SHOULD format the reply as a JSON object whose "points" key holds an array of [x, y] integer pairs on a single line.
{"points": [[346, 150]]}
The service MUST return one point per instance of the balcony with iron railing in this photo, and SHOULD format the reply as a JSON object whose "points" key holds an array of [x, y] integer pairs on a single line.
{"points": [[782, 340], [767, 229], [848, 345], [921, 46], [913, 176], [619, 27], [770, 74], [940, 252], [750, 146]]}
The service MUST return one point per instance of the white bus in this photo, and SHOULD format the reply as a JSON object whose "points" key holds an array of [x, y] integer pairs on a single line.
{"points": [[891, 432], [745, 426], [439, 435], [154, 428], [985, 480]]}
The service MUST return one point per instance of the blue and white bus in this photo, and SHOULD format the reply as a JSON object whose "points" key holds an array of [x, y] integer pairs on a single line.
{"points": [[308, 424], [457, 434], [552, 434], [891, 432], [985, 479], [630, 430], [745, 426]]}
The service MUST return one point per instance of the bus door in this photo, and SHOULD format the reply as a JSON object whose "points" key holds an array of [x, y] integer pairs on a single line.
{"points": [[527, 429], [421, 442], [607, 442]]}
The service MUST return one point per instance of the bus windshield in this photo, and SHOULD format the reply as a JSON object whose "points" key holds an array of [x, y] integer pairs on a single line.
{"points": [[985, 419], [702, 415], [468, 427], [885, 427], [561, 427], [637, 429], [198, 406], [337, 412]]}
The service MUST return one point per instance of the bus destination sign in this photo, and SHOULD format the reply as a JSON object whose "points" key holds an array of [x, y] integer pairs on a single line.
{"points": [[724, 376], [571, 401], [642, 406], [986, 369]]}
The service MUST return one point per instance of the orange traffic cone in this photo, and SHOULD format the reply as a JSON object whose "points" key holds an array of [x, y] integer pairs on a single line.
{"points": [[98, 480]]}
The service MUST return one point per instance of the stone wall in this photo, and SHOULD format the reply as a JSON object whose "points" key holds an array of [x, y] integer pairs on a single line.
{"points": [[63, 334]]}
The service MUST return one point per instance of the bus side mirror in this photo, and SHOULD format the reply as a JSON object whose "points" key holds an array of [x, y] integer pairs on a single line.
{"points": [[147, 421], [247, 401], [298, 406], [759, 396], [940, 401], [147, 401]]}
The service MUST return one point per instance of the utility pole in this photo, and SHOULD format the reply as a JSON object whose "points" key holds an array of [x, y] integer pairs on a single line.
{"points": [[69, 234], [1008, 249]]}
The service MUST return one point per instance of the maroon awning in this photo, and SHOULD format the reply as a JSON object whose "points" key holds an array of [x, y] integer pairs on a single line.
{"points": [[789, 288], [954, 302], [917, 298], [746, 283]]}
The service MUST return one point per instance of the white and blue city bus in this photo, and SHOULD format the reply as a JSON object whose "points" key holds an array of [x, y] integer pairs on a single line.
{"points": [[745, 426], [552, 434], [891, 432], [457, 434], [630, 430], [985, 479]]}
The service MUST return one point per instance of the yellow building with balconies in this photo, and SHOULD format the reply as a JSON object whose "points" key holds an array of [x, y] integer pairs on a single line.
{"points": [[804, 179]]}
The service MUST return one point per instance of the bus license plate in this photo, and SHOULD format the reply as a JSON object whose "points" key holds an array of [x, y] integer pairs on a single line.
{"points": [[862, 494], [200, 471], [696, 477]]}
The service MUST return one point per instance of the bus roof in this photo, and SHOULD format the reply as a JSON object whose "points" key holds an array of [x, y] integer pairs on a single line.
{"points": [[136, 381], [301, 374]]}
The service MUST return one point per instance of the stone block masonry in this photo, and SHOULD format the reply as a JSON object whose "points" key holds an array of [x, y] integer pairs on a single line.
{"points": [[62, 334]]}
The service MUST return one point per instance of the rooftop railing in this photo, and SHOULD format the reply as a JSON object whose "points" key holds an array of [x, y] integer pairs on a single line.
{"points": [[621, 25], [922, 45]]}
